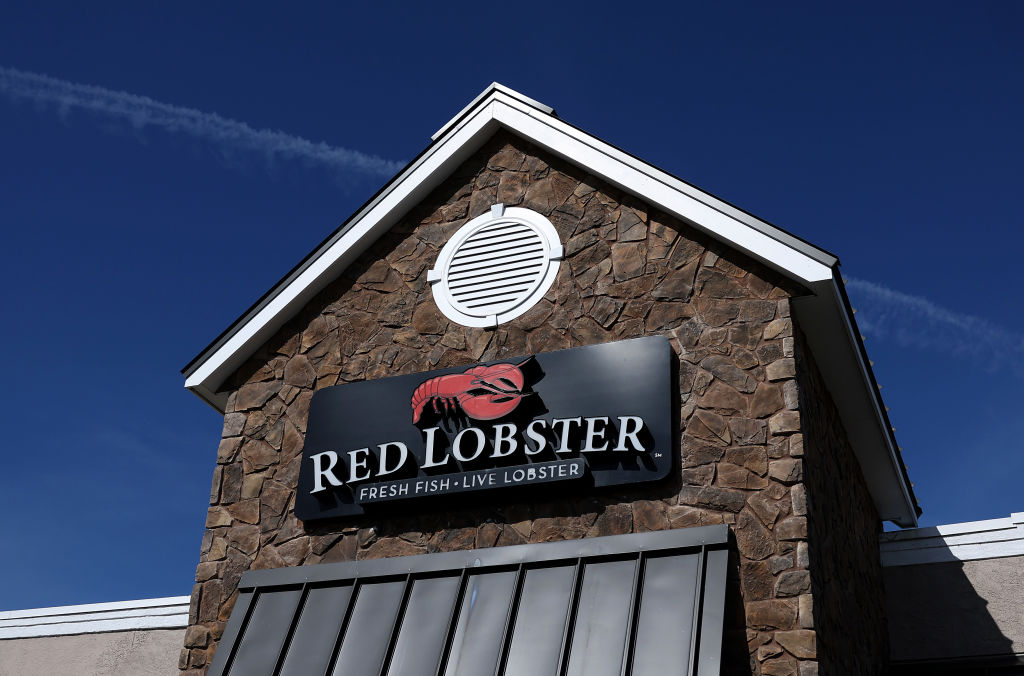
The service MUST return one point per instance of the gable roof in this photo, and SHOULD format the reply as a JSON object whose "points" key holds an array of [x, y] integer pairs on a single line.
{"points": [[824, 315]]}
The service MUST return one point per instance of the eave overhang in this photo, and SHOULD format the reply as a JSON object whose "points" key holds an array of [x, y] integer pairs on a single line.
{"points": [[824, 315]]}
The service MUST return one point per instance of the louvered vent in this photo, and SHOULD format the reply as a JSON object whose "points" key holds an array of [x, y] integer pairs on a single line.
{"points": [[496, 267]]}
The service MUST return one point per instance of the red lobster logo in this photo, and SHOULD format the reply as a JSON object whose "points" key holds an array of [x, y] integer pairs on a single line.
{"points": [[482, 392]]}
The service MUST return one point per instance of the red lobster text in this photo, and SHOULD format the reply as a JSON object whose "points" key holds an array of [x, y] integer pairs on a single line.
{"points": [[482, 392]]}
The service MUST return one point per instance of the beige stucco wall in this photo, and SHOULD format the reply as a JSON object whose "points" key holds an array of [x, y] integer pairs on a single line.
{"points": [[151, 652], [956, 609]]}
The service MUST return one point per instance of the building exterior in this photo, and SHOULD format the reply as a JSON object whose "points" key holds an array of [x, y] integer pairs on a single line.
{"points": [[955, 597], [539, 407], [781, 434], [952, 600], [131, 638]]}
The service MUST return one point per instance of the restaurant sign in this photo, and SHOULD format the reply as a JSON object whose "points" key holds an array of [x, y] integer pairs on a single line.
{"points": [[582, 418]]}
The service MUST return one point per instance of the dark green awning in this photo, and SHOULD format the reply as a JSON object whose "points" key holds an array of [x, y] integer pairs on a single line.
{"points": [[649, 604]]}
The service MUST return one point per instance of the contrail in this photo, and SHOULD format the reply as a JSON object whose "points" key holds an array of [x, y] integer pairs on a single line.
{"points": [[142, 111], [913, 321]]}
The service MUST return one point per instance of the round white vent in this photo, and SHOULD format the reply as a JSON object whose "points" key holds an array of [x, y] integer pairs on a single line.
{"points": [[496, 267]]}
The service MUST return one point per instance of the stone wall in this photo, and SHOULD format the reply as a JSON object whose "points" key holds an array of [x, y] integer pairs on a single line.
{"points": [[628, 272], [843, 527]]}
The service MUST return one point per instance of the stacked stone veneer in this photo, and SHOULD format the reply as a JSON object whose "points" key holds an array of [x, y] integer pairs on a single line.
{"points": [[843, 528], [628, 272]]}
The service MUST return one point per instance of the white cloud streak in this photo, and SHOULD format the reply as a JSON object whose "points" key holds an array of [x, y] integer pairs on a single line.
{"points": [[913, 321], [142, 112]]}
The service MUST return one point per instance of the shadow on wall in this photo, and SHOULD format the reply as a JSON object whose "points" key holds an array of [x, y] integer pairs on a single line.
{"points": [[944, 615], [956, 617]]}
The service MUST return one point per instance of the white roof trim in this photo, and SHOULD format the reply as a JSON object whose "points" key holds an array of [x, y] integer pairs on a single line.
{"points": [[664, 191], [163, 613], [499, 107], [970, 541], [837, 349], [494, 87], [327, 264]]}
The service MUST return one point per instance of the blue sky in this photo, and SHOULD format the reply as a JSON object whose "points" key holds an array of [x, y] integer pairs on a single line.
{"points": [[161, 166]]}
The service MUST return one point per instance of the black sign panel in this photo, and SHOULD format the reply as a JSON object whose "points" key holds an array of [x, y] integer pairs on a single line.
{"points": [[586, 417]]}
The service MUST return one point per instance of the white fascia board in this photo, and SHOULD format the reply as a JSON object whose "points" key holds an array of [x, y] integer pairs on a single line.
{"points": [[860, 405], [464, 136], [971, 541], [835, 346], [657, 188], [179, 621], [163, 613], [494, 87], [366, 228], [114, 606]]}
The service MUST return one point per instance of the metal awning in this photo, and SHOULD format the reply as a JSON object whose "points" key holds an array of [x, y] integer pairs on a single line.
{"points": [[644, 604]]}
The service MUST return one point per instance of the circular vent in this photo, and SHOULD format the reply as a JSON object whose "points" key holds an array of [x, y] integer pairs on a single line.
{"points": [[496, 267]]}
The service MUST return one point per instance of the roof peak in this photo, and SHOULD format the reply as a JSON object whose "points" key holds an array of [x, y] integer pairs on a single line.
{"points": [[826, 317], [482, 99]]}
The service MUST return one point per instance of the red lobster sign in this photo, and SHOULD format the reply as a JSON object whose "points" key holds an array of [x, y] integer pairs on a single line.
{"points": [[482, 392]]}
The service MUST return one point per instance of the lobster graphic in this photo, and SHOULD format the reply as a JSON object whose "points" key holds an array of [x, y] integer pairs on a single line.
{"points": [[482, 392]]}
